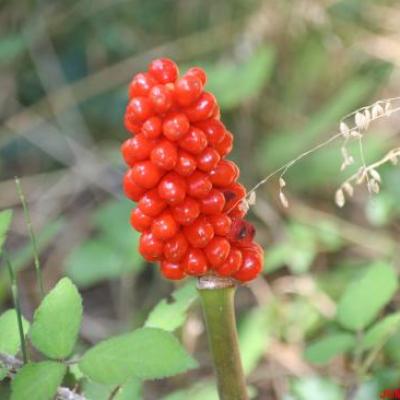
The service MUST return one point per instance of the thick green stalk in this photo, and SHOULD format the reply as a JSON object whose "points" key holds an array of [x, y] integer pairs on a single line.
{"points": [[217, 296]]}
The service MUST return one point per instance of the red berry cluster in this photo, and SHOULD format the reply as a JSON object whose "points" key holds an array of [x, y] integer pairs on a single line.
{"points": [[188, 198]]}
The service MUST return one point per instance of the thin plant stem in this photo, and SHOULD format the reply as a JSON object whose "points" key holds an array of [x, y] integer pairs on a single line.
{"points": [[15, 295], [32, 236], [218, 307]]}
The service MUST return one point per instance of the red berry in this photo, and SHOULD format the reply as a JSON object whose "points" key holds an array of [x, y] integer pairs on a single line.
{"points": [[233, 195], [164, 227], [139, 109], [185, 164], [172, 270], [137, 148], [151, 203], [164, 70], [198, 73], [172, 188], [139, 220], [175, 126], [238, 212], [199, 185], [132, 190], [221, 224], [187, 211], [202, 108], [127, 152], [150, 247], [217, 251], [214, 130], [199, 233], [164, 155], [208, 159], [141, 85], [241, 232], [250, 268], [213, 203], [195, 262], [161, 98], [225, 146], [187, 90], [175, 248], [152, 128], [195, 141], [232, 263], [130, 125], [224, 173], [146, 174]]}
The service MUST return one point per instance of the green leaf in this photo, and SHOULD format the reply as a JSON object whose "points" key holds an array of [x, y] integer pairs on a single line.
{"points": [[250, 77], [170, 313], [5, 221], [37, 381], [315, 388], [57, 321], [129, 391], [200, 391], [9, 333], [146, 353], [381, 331], [365, 297], [324, 350]]}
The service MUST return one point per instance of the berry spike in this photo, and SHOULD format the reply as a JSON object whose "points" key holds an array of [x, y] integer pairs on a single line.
{"points": [[189, 204]]}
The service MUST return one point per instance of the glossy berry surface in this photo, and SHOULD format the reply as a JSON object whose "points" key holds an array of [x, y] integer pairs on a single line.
{"points": [[190, 207]]}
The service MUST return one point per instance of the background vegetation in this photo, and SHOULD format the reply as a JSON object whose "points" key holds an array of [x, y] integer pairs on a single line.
{"points": [[322, 322]]}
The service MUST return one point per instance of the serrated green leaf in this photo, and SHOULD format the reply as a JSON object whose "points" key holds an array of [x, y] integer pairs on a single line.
{"points": [[170, 314], [381, 331], [5, 221], [9, 333], [365, 297], [57, 321], [146, 353], [324, 350], [251, 76], [37, 381]]}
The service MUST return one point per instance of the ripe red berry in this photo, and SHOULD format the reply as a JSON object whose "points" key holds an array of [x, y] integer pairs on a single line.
{"points": [[130, 125], [217, 251], [161, 98], [139, 220], [172, 270], [188, 90], [164, 226], [131, 189], [146, 174], [172, 188], [199, 232], [195, 141], [250, 268], [214, 130], [164, 155], [241, 232], [208, 159], [225, 146], [221, 224], [233, 195], [127, 152], [175, 126], [176, 248], [141, 85], [195, 262], [202, 108], [186, 164], [224, 173], [150, 247], [164, 70], [238, 211], [137, 148], [139, 109], [213, 203], [187, 211], [232, 263], [151, 203], [152, 128], [198, 73], [199, 185]]}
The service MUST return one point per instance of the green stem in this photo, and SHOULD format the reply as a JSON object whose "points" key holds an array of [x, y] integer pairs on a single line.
{"points": [[217, 296]]}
